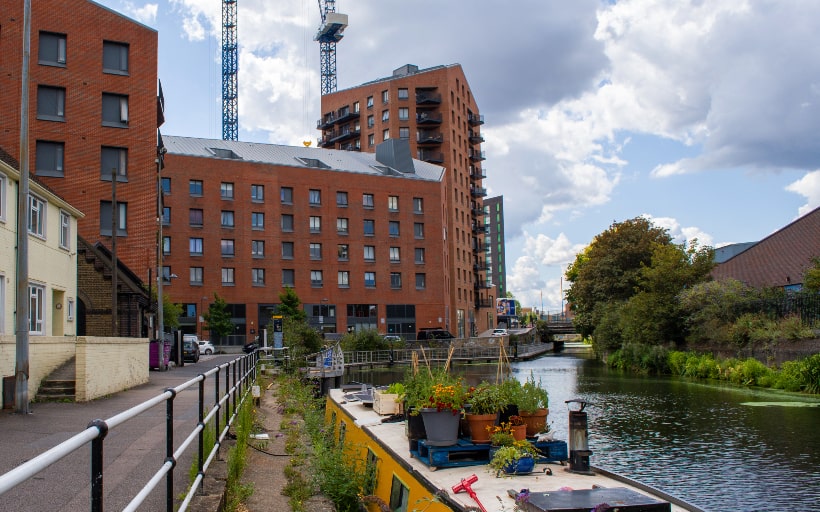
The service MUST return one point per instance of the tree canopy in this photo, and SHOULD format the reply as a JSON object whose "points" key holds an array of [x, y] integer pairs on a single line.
{"points": [[218, 318], [291, 306]]}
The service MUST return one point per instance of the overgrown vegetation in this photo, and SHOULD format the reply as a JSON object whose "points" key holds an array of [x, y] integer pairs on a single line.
{"points": [[318, 462], [236, 492]]}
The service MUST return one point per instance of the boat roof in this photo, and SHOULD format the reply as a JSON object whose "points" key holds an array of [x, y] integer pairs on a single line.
{"points": [[490, 490]]}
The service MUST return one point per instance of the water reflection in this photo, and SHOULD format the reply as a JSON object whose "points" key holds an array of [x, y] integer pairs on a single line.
{"points": [[716, 446]]}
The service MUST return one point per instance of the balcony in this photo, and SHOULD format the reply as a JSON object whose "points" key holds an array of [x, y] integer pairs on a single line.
{"points": [[428, 117], [476, 156], [343, 134], [434, 157], [478, 191], [477, 174], [482, 303], [481, 267], [351, 146], [345, 114], [483, 285], [428, 98], [326, 121], [429, 137], [474, 119], [480, 229], [475, 138], [478, 212]]}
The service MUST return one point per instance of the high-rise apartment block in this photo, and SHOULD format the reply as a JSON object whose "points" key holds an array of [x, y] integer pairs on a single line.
{"points": [[435, 112], [494, 243]]}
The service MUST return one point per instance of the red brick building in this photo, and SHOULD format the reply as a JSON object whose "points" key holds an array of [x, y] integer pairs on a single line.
{"points": [[93, 107], [435, 111], [358, 236]]}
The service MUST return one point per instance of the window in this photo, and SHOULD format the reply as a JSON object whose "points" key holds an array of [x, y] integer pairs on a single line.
{"points": [[287, 222], [369, 101], [195, 246], [288, 277], [315, 224], [418, 205], [385, 115], [344, 279], [287, 250], [316, 278], [52, 49], [166, 274], [258, 276], [286, 195], [257, 220], [386, 135], [403, 93], [105, 218], [370, 121], [115, 58], [421, 281], [228, 277], [399, 495], [195, 274], [315, 197], [367, 200], [371, 140], [418, 230], [257, 193], [227, 219], [343, 251], [342, 226], [404, 114], [257, 248], [341, 199], [385, 96], [37, 307], [195, 217], [2, 200], [69, 309], [65, 228], [395, 279], [165, 183], [419, 255], [315, 251], [36, 216], [195, 188], [50, 103], [115, 110], [227, 247], [393, 203], [49, 159], [393, 227], [369, 253], [369, 279], [404, 132], [226, 190], [116, 160], [395, 255], [369, 227], [166, 245]]}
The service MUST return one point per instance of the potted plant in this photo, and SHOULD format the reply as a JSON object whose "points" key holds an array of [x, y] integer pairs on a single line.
{"points": [[390, 400], [510, 391], [439, 397], [533, 405], [485, 402], [515, 459]]}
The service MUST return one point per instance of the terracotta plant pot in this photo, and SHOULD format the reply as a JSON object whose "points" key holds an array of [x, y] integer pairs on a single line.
{"points": [[519, 432], [478, 427], [536, 421]]}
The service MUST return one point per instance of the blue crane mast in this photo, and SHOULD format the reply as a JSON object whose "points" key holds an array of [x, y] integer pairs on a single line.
{"points": [[230, 69], [330, 33]]}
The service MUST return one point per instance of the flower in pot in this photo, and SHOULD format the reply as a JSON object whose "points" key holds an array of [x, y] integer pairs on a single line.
{"points": [[517, 458], [484, 401], [533, 405], [441, 409]]}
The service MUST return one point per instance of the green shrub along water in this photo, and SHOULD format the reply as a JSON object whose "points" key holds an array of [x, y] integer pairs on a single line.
{"points": [[802, 375]]}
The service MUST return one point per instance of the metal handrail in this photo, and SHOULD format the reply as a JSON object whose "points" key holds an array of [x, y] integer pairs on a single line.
{"points": [[97, 430]]}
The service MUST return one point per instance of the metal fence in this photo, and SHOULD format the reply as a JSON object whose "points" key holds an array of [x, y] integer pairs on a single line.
{"points": [[232, 386], [804, 305], [438, 354]]}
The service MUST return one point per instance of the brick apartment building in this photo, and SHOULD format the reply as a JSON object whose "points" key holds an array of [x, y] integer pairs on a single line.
{"points": [[93, 108], [435, 111], [358, 236]]}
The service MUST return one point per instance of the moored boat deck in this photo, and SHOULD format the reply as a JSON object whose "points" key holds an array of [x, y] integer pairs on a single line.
{"points": [[547, 492]]}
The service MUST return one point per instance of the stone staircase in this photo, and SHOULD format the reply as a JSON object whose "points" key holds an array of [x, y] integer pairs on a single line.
{"points": [[60, 385]]}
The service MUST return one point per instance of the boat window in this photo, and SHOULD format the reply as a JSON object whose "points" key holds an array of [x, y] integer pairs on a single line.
{"points": [[399, 495], [371, 475], [342, 431]]}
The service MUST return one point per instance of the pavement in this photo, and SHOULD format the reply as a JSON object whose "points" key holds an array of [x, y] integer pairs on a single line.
{"points": [[133, 451]]}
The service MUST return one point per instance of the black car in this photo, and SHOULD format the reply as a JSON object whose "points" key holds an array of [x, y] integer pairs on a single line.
{"points": [[190, 351], [434, 334], [250, 347]]}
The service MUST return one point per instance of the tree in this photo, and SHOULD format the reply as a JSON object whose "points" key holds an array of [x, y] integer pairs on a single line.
{"points": [[218, 319], [609, 269], [290, 305], [170, 312], [811, 279]]}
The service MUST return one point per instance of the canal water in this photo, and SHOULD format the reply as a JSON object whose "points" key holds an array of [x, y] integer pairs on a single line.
{"points": [[718, 447]]}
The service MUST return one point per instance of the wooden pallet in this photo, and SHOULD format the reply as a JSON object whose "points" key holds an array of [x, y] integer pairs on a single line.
{"points": [[463, 453], [551, 451]]}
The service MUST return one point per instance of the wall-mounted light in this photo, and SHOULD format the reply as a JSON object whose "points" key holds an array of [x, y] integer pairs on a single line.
{"points": [[59, 305]]}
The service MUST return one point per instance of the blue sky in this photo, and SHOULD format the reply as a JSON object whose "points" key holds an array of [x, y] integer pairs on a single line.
{"points": [[701, 115]]}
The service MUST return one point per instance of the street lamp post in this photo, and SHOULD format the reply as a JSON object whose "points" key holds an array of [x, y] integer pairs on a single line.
{"points": [[202, 317]]}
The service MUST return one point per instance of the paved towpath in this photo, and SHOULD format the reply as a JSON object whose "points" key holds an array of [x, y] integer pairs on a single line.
{"points": [[133, 451]]}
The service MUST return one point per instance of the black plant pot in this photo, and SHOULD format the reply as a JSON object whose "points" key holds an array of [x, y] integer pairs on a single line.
{"points": [[506, 412], [415, 429]]}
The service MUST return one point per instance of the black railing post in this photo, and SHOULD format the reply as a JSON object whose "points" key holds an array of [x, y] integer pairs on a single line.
{"points": [[169, 449], [97, 465]]}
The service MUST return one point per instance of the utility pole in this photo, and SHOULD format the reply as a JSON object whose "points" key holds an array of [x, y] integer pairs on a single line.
{"points": [[114, 225], [21, 367], [160, 276]]}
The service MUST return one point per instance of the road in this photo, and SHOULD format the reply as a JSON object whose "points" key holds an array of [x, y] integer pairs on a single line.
{"points": [[133, 451]]}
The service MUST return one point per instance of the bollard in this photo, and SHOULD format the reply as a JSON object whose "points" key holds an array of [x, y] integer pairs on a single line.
{"points": [[579, 451]]}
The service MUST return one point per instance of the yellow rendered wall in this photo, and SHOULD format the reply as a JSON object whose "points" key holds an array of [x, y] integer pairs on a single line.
{"points": [[108, 365], [45, 353]]}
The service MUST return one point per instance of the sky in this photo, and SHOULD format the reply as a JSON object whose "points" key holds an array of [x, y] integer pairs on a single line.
{"points": [[701, 115]]}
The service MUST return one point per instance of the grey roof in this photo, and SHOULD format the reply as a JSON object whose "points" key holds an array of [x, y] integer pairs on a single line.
{"points": [[273, 154]]}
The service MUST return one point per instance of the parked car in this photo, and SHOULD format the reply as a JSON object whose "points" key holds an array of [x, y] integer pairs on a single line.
{"points": [[434, 334], [500, 332], [205, 347], [250, 347], [391, 338], [190, 351]]}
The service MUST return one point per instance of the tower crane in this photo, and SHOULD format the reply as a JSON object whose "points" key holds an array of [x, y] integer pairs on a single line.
{"points": [[330, 33], [230, 69]]}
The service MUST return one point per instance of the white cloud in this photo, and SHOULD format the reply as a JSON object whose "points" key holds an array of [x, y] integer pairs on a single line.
{"points": [[809, 187], [680, 234], [146, 14]]}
